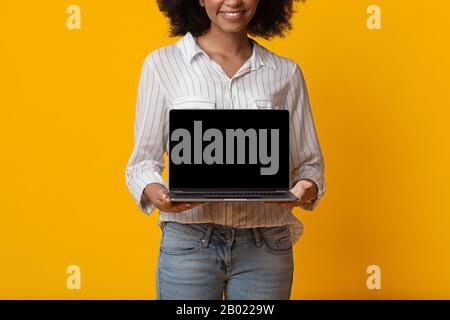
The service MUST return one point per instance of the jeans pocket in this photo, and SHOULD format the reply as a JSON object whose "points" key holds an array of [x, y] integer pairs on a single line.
{"points": [[276, 240], [180, 239]]}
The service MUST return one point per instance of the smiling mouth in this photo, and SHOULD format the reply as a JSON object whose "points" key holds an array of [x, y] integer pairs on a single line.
{"points": [[232, 14]]}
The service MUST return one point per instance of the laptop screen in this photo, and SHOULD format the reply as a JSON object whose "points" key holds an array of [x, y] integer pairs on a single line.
{"points": [[228, 149]]}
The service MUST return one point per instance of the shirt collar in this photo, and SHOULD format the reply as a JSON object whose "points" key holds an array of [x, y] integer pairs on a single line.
{"points": [[260, 56]]}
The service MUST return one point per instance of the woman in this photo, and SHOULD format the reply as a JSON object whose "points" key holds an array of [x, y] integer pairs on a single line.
{"points": [[223, 250]]}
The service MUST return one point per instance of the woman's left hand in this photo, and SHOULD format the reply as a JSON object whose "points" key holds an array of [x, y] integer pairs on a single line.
{"points": [[305, 190]]}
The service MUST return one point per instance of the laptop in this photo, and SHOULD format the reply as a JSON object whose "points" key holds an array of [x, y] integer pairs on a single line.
{"points": [[229, 155]]}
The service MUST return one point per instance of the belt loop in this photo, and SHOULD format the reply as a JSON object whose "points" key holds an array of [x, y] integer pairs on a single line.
{"points": [[207, 237], [257, 236], [232, 235]]}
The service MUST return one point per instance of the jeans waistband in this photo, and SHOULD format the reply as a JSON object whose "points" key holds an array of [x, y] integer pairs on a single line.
{"points": [[225, 232]]}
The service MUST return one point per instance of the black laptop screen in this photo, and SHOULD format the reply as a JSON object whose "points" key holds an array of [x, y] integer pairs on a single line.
{"points": [[223, 149]]}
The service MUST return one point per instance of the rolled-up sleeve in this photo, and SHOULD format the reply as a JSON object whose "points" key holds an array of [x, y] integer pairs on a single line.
{"points": [[147, 158], [306, 155]]}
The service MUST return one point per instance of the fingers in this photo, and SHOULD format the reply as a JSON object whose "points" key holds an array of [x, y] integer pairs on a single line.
{"points": [[178, 207], [291, 204], [306, 197], [199, 203], [163, 200], [163, 195], [190, 205], [168, 205], [182, 206], [164, 203]]}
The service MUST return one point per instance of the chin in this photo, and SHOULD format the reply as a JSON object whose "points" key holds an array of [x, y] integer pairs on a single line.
{"points": [[227, 29]]}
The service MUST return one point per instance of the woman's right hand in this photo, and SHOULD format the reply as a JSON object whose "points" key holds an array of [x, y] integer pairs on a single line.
{"points": [[159, 196]]}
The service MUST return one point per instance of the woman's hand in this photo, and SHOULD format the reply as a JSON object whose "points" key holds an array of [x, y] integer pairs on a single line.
{"points": [[305, 190], [159, 196]]}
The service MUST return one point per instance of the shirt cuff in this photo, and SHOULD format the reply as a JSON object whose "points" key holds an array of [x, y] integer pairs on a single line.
{"points": [[139, 183]]}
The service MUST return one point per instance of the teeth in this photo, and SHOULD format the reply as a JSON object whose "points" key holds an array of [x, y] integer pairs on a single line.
{"points": [[232, 14]]}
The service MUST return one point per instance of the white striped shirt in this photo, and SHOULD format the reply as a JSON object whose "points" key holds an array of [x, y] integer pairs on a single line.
{"points": [[182, 75]]}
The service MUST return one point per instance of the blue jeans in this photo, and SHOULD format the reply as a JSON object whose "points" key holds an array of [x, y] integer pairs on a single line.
{"points": [[214, 262]]}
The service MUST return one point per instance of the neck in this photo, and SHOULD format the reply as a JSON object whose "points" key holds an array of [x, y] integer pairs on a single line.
{"points": [[217, 41]]}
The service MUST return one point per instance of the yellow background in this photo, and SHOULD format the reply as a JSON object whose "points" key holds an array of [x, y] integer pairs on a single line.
{"points": [[380, 100]]}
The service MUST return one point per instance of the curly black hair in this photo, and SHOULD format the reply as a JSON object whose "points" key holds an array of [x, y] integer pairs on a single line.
{"points": [[272, 17]]}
